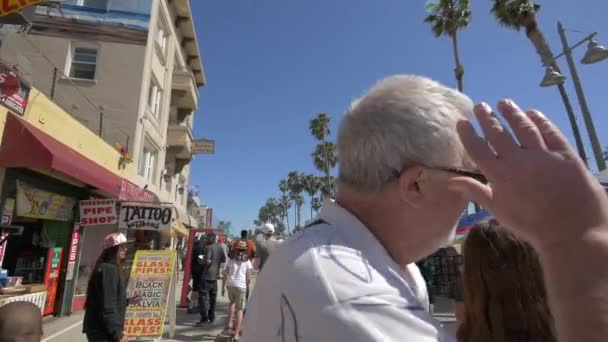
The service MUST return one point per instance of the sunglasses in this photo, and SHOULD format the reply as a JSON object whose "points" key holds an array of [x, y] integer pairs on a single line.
{"points": [[458, 171]]}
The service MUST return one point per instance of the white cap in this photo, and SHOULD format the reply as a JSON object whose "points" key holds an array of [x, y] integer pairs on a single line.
{"points": [[114, 240], [268, 228]]}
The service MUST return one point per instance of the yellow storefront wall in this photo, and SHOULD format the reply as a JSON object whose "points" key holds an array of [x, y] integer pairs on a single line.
{"points": [[53, 120]]}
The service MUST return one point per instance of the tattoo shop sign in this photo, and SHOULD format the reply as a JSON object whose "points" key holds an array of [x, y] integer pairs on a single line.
{"points": [[142, 216]]}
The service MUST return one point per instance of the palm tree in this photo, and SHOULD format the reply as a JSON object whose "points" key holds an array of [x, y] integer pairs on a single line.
{"points": [[285, 201], [518, 14], [295, 181], [270, 212], [316, 204], [447, 18], [312, 185], [324, 156], [299, 201]]}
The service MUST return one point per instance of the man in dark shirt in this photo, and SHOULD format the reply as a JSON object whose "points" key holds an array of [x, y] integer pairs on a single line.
{"points": [[214, 257]]}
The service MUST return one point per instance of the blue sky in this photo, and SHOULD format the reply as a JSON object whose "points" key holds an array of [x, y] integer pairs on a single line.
{"points": [[272, 65]]}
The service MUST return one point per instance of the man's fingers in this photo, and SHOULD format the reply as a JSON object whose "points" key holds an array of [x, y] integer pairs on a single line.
{"points": [[498, 136], [526, 131], [553, 137], [476, 147], [472, 190]]}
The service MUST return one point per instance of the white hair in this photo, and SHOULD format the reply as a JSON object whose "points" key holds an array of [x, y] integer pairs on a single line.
{"points": [[404, 120]]}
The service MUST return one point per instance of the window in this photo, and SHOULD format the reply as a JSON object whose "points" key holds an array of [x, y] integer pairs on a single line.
{"points": [[161, 40], [155, 95], [84, 63], [147, 163], [98, 4]]}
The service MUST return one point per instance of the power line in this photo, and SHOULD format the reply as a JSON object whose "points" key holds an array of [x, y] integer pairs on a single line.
{"points": [[50, 62]]}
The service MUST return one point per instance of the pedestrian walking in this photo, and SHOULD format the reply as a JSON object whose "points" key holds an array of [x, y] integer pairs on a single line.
{"points": [[214, 257], [107, 301], [251, 252], [20, 322], [238, 276], [264, 248], [224, 245], [196, 271]]}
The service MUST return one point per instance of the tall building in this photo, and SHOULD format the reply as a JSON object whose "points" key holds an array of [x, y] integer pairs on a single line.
{"points": [[128, 70]]}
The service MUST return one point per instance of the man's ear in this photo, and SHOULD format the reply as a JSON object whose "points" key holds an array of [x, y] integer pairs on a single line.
{"points": [[409, 186]]}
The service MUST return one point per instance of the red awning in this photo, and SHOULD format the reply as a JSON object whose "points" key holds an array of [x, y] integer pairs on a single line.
{"points": [[26, 146]]}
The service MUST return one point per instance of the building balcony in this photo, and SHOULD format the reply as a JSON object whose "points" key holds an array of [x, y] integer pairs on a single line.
{"points": [[179, 138], [184, 88]]}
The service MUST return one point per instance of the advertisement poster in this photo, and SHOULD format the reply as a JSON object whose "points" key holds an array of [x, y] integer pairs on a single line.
{"points": [[73, 252], [13, 6], [97, 212], [145, 217], [52, 278], [151, 275], [40, 204], [7, 213], [14, 93]]}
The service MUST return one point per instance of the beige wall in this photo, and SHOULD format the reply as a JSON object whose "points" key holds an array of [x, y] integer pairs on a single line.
{"points": [[116, 88], [123, 77]]}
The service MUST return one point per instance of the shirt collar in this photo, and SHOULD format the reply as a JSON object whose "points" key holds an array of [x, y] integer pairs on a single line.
{"points": [[353, 230]]}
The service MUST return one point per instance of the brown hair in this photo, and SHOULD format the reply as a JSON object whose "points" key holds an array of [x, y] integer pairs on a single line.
{"points": [[504, 292], [108, 255]]}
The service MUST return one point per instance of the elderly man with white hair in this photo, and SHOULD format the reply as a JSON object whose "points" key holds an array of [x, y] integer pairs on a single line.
{"points": [[409, 163]]}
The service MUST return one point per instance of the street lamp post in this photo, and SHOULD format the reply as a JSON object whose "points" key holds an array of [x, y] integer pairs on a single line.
{"points": [[589, 58], [595, 53]]}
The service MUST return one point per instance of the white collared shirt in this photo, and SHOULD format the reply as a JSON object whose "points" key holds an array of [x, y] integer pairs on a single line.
{"points": [[335, 282]]}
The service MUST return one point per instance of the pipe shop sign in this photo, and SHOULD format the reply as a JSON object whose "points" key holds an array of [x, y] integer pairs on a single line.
{"points": [[142, 216]]}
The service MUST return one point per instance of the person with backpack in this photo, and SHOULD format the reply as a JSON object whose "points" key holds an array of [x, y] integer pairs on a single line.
{"points": [[238, 276], [251, 251]]}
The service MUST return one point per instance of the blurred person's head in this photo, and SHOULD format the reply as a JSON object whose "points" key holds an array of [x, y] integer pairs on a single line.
{"points": [[504, 292], [20, 322], [244, 234], [395, 144], [241, 251], [114, 248], [268, 230], [211, 238]]}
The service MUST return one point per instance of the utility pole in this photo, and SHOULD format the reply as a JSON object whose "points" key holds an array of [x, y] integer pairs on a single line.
{"points": [[595, 143]]}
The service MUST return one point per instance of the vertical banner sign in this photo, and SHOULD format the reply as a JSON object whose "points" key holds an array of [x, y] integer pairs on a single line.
{"points": [[53, 266], [97, 212], [151, 276], [209, 218], [73, 252], [14, 93], [7, 213], [3, 235]]}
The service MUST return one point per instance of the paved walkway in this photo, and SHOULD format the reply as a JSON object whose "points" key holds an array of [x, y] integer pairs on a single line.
{"points": [[70, 328]]}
